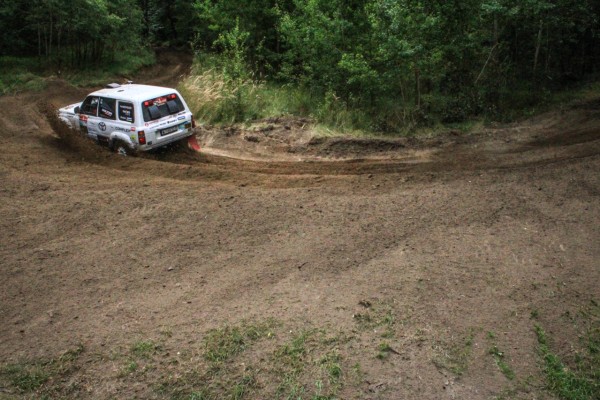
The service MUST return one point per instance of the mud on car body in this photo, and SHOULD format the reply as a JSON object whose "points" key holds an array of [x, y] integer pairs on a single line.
{"points": [[132, 117]]}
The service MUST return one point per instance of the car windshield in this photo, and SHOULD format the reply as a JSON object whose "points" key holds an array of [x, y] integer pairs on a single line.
{"points": [[161, 106]]}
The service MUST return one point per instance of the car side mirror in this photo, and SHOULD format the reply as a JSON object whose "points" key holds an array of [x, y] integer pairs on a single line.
{"points": [[77, 109]]}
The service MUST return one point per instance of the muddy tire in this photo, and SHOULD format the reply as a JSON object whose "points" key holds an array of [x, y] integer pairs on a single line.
{"points": [[121, 148]]}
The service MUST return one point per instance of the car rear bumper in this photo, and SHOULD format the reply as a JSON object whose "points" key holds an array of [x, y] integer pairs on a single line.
{"points": [[165, 140]]}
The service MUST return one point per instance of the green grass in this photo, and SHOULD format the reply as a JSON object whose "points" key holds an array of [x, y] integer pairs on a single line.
{"points": [[31, 376], [27, 377], [384, 351], [579, 383], [215, 99], [124, 66], [261, 358], [305, 357], [19, 74], [144, 348], [223, 343], [378, 317], [454, 356], [502, 364]]}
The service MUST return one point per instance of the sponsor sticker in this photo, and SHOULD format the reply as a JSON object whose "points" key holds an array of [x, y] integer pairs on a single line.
{"points": [[126, 112], [182, 117], [102, 126]]}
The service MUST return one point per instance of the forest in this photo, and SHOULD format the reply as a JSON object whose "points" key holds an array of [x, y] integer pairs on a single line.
{"points": [[378, 65]]}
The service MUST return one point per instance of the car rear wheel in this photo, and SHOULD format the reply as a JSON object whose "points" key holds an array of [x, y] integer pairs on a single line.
{"points": [[121, 148]]}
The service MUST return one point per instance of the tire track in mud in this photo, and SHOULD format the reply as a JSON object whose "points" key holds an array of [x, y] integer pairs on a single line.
{"points": [[549, 139], [557, 148]]}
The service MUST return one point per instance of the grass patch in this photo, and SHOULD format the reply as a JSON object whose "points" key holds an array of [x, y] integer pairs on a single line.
{"points": [[504, 367], [31, 376], [580, 383], [144, 348], [384, 351], [454, 357], [307, 356], [378, 317], [217, 100], [224, 343], [238, 362], [19, 74], [121, 68]]}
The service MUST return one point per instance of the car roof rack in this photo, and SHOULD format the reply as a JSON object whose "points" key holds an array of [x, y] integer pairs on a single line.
{"points": [[113, 86]]}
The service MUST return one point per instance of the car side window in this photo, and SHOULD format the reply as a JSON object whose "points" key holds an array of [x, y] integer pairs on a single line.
{"points": [[107, 108], [90, 106], [126, 112]]}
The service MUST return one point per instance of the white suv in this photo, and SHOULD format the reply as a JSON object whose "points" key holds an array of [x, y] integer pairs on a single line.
{"points": [[131, 118]]}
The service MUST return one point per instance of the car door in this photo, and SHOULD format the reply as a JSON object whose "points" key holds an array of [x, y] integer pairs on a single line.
{"points": [[106, 118], [88, 116]]}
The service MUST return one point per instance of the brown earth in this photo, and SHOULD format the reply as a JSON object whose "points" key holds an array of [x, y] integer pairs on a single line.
{"points": [[400, 261]]}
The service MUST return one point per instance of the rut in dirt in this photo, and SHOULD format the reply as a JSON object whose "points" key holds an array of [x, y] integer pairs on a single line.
{"points": [[501, 149]]}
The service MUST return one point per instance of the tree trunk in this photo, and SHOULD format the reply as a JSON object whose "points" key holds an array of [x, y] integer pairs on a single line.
{"points": [[547, 51], [51, 32], [538, 45], [418, 87], [39, 32]]}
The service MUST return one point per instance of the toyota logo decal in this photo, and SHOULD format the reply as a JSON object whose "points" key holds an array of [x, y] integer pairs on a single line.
{"points": [[102, 126]]}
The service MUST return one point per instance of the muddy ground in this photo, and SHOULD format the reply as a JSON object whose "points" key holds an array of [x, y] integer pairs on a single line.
{"points": [[277, 264]]}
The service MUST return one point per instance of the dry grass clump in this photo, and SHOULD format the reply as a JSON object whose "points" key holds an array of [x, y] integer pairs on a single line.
{"points": [[215, 99]]}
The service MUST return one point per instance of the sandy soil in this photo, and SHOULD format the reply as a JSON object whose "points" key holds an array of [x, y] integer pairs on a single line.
{"points": [[406, 259]]}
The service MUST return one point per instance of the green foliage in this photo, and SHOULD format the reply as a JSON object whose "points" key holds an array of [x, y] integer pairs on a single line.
{"points": [[124, 65], [377, 65], [392, 65], [75, 33], [214, 98]]}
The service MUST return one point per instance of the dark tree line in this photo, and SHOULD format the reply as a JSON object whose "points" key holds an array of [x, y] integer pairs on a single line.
{"points": [[452, 57], [455, 58]]}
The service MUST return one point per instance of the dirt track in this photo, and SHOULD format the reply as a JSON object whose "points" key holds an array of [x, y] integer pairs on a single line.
{"points": [[440, 249]]}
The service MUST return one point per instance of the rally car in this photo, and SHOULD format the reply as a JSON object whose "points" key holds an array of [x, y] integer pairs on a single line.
{"points": [[130, 118]]}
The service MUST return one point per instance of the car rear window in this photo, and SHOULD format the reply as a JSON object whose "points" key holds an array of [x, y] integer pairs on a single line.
{"points": [[161, 107]]}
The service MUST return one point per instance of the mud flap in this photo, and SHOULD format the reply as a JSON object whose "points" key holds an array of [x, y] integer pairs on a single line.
{"points": [[193, 143]]}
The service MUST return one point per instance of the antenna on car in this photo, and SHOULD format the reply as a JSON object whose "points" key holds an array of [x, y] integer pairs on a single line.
{"points": [[113, 86]]}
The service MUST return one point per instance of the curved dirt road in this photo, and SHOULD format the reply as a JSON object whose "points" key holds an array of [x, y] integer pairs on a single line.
{"points": [[404, 267]]}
